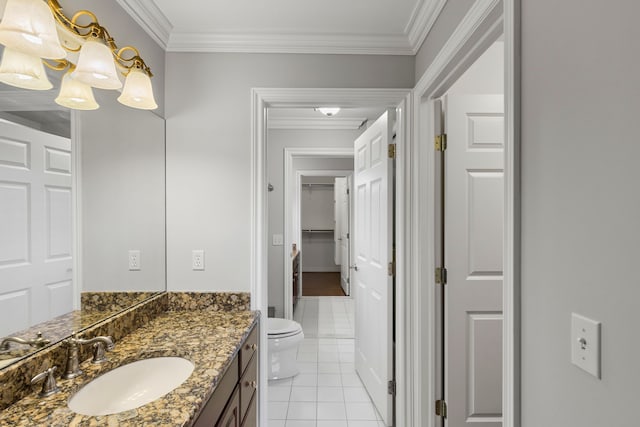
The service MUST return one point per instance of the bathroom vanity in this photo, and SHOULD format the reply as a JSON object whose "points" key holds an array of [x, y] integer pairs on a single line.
{"points": [[220, 338]]}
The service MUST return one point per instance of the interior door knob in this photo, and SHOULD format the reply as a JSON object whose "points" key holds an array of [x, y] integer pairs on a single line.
{"points": [[354, 267]]}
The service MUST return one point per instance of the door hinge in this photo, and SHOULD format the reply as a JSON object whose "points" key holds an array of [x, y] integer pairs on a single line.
{"points": [[347, 235], [347, 191], [441, 276], [441, 408], [391, 268], [391, 387], [392, 151], [441, 142]]}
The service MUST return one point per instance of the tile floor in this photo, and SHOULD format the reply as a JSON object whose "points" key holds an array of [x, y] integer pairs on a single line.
{"points": [[327, 392]]}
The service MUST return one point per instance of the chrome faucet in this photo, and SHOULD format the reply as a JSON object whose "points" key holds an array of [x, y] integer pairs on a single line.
{"points": [[37, 342], [72, 369]]}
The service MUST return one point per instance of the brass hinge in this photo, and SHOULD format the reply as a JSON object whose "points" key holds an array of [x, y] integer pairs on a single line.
{"points": [[391, 268], [441, 276], [441, 142], [391, 387], [392, 151], [441, 408]]}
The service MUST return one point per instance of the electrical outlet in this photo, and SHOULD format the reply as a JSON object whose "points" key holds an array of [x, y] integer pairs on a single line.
{"points": [[134, 260], [197, 259]]}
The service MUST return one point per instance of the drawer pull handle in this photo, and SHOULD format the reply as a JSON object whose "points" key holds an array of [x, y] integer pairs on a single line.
{"points": [[254, 347], [252, 384]]}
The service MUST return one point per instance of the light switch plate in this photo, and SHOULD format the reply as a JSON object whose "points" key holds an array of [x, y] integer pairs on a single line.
{"points": [[585, 344], [278, 240]]}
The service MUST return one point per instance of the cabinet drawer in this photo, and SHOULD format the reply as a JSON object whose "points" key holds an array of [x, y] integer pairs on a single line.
{"points": [[251, 417], [214, 407], [249, 348], [248, 384], [231, 415]]}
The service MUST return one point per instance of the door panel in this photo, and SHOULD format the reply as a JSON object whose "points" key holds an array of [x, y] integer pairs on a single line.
{"points": [[473, 256], [36, 225], [343, 231], [373, 242]]}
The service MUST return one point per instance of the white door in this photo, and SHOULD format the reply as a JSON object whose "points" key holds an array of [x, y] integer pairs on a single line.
{"points": [[473, 256], [373, 240], [35, 227], [337, 225]]}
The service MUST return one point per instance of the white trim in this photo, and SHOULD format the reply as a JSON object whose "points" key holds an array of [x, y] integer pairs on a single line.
{"points": [[401, 98], [322, 123], [76, 207], [150, 18], [421, 22], [348, 44], [476, 31], [292, 227]]}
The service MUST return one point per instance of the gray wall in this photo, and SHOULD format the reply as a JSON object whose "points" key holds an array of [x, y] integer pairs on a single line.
{"points": [[209, 148], [278, 139], [580, 208], [122, 176], [126, 32], [448, 20]]}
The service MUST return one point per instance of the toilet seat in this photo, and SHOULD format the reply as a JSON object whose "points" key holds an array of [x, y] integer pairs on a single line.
{"points": [[282, 328]]}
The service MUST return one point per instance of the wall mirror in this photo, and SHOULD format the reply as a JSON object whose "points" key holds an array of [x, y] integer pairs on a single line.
{"points": [[82, 212]]}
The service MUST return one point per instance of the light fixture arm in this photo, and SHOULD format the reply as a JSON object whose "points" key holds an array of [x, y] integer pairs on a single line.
{"points": [[94, 30]]}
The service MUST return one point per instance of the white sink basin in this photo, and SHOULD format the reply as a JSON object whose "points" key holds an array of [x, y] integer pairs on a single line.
{"points": [[131, 386]]}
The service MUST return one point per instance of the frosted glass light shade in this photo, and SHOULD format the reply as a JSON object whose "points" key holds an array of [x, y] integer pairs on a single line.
{"points": [[24, 71], [28, 26], [137, 92], [328, 111], [96, 67], [76, 95]]}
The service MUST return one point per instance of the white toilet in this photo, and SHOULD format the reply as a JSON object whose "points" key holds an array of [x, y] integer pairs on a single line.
{"points": [[284, 338]]}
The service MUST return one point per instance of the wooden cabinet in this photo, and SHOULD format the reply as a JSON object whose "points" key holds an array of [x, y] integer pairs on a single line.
{"points": [[234, 402]]}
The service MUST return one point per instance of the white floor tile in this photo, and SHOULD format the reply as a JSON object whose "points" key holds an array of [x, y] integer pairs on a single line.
{"points": [[356, 394], [330, 394], [360, 411], [329, 380], [300, 423], [278, 394], [307, 357], [332, 423], [351, 380], [302, 411], [308, 367], [277, 410], [285, 382], [276, 423], [360, 423], [304, 394], [329, 368], [347, 368], [306, 380], [331, 411]]}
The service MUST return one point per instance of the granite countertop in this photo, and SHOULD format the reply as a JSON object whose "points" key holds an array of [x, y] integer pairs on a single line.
{"points": [[209, 339]]}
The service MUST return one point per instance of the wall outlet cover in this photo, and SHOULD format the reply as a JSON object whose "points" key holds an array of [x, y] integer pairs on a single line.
{"points": [[197, 259], [585, 344], [134, 260], [278, 240]]}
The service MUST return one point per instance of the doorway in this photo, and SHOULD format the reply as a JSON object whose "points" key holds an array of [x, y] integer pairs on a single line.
{"points": [[401, 132]]}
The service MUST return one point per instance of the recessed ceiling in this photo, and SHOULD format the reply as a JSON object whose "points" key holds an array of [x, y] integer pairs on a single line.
{"points": [[390, 27]]}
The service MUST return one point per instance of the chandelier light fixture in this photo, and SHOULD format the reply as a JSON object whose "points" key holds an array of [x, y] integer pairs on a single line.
{"points": [[30, 31]]}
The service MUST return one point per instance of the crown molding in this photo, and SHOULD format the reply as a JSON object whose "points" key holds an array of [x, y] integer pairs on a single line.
{"points": [[28, 100], [149, 16], [290, 43], [320, 123], [422, 19]]}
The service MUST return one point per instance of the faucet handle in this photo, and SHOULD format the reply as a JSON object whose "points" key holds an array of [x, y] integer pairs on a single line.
{"points": [[40, 342], [49, 385], [98, 353]]}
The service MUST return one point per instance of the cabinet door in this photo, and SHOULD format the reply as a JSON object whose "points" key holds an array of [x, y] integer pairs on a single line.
{"points": [[231, 415]]}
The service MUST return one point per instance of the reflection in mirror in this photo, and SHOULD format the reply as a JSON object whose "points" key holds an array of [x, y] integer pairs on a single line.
{"points": [[82, 215]]}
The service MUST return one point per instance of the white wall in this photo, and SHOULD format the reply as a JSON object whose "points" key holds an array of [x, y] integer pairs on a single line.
{"points": [[209, 153], [123, 200], [580, 208]]}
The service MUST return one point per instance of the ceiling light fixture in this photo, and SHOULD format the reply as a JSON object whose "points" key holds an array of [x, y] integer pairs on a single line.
{"points": [[328, 111], [28, 32]]}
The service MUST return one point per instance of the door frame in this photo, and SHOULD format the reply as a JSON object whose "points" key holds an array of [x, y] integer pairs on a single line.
{"points": [[292, 217], [263, 98], [480, 27]]}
